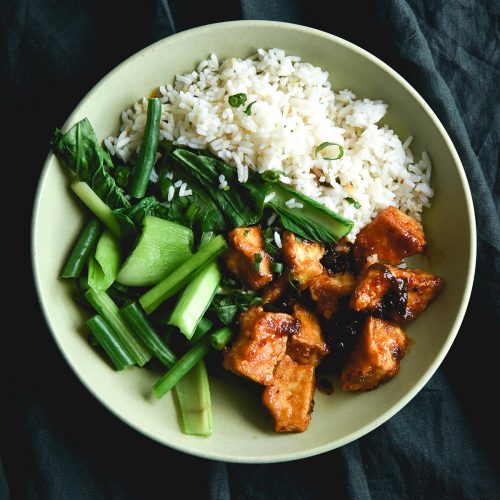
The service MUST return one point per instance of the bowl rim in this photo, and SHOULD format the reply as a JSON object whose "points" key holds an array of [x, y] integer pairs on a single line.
{"points": [[417, 386]]}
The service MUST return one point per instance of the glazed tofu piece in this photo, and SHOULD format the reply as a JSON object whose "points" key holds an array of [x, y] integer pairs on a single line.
{"points": [[327, 288], [375, 281], [376, 355], [389, 238], [307, 345], [302, 257], [289, 397], [246, 244], [422, 288], [397, 294], [260, 345]]}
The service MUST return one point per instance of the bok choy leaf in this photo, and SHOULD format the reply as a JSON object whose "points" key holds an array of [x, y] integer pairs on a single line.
{"points": [[79, 149]]}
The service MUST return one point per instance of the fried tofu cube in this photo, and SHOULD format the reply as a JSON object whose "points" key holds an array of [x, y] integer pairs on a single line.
{"points": [[327, 288], [398, 294], [302, 257], [391, 236], [260, 345], [376, 355], [422, 288], [245, 248], [307, 345], [375, 281], [289, 397]]}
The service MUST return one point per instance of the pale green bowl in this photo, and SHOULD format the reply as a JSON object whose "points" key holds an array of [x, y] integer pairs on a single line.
{"points": [[242, 432]]}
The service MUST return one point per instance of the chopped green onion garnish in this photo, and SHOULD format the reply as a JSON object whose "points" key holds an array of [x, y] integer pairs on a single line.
{"points": [[352, 201], [237, 100], [324, 145], [277, 267], [257, 259], [248, 110]]}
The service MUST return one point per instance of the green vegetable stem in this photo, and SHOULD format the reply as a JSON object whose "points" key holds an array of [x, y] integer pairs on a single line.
{"points": [[175, 281], [110, 342], [187, 362], [136, 319], [148, 150], [105, 307], [82, 250]]}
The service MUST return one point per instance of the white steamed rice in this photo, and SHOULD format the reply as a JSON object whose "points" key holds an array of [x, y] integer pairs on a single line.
{"points": [[295, 111]]}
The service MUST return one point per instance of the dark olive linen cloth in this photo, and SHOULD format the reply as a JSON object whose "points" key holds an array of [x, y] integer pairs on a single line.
{"points": [[58, 442]]}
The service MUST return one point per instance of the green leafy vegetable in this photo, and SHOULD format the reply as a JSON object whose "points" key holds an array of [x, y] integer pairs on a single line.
{"points": [[206, 217], [175, 281], [122, 175], [79, 149], [241, 206], [313, 221], [234, 301], [104, 264], [162, 247], [324, 145]]}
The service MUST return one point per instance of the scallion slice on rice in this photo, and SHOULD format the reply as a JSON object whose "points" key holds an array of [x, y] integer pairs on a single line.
{"points": [[324, 145]]}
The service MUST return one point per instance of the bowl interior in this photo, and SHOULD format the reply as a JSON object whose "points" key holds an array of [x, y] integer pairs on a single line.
{"points": [[241, 429]]}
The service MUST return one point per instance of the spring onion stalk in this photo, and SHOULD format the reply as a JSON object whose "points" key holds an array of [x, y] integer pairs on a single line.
{"points": [[82, 250], [136, 319], [220, 338], [110, 342], [324, 145], [105, 306], [149, 148], [104, 264], [183, 366], [97, 206], [277, 267], [204, 326], [237, 100], [193, 395], [187, 362], [196, 297], [175, 281]]}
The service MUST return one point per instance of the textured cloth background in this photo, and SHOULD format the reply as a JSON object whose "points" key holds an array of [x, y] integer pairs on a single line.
{"points": [[58, 442]]}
